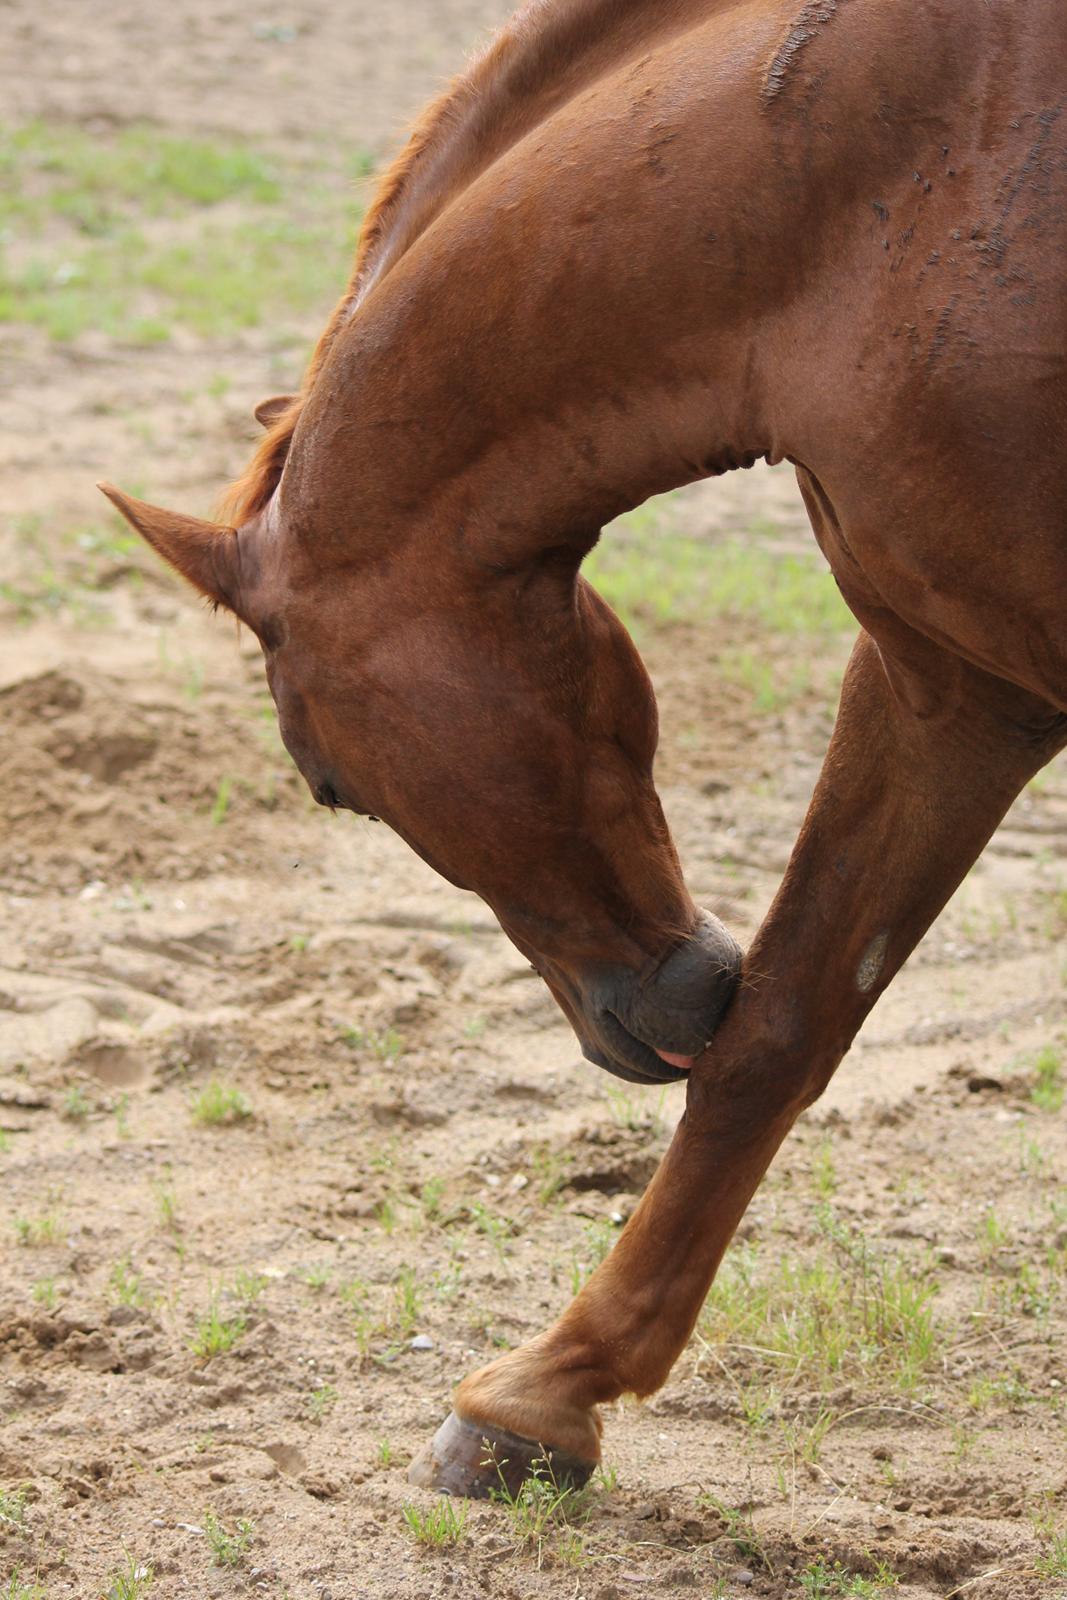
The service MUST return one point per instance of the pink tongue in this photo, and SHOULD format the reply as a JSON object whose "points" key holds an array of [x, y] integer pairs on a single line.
{"points": [[672, 1060]]}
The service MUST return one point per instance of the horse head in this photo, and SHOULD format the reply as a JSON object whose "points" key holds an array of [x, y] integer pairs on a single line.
{"points": [[498, 717]]}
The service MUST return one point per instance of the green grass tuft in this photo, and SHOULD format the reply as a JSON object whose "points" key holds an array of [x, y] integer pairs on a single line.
{"points": [[440, 1527], [648, 571], [217, 1106]]}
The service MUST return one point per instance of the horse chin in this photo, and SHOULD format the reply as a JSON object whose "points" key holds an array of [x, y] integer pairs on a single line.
{"points": [[633, 1061]]}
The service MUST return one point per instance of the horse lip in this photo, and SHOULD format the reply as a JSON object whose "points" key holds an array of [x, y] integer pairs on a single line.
{"points": [[627, 1056]]}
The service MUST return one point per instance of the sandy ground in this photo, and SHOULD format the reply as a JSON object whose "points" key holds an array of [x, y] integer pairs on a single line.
{"points": [[424, 1156]]}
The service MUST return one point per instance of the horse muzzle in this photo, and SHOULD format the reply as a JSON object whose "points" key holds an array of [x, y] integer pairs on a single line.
{"points": [[650, 1028]]}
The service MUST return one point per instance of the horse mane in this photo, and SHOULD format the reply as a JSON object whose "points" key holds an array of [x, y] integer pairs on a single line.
{"points": [[545, 55]]}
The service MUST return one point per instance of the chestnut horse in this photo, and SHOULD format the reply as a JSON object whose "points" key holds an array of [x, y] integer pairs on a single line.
{"points": [[642, 242]]}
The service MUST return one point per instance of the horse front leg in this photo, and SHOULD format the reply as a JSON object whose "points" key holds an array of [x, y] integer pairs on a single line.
{"points": [[926, 757]]}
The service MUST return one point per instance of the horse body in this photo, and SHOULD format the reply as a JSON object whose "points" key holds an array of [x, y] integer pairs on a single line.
{"points": [[641, 244]]}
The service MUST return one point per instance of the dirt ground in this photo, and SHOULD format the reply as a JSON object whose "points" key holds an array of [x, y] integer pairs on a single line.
{"points": [[410, 1167]]}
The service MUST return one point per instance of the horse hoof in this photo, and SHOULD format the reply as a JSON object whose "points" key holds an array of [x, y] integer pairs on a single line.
{"points": [[474, 1461]]}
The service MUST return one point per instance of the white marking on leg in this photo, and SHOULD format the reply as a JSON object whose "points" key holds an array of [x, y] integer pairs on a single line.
{"points": [[870, 968]]}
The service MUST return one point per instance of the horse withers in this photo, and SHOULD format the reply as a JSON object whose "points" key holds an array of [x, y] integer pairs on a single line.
{"points": [[638, 244]]}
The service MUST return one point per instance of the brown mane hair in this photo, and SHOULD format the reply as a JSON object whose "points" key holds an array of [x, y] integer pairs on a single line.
{"points": [[547, 53]]}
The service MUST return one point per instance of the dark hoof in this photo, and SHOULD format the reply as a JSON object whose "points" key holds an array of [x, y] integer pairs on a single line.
{"points": [[474, 1462]]}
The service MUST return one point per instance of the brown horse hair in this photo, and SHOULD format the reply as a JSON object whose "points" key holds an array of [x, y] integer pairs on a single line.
{"points": [[254, 488], [520, 64]]}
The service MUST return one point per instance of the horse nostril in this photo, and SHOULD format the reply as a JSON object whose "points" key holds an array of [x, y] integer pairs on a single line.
{"points": [[325, 795]]}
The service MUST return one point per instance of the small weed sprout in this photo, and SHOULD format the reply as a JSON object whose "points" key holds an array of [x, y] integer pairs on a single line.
{"points": [[497, 1229], [37, 1232], [44, 1293], [121, 1113], [218, 1106], [228, 1549], [823, 1173], [741, 1531], [1052, 1562], [386, 1045], [76, 1104], [440, 1527], [406, 1302], [248, 1287], [19, 1588], [321, 1401], [13, 1509], [430, 1196], [216, 1335], [823, 1581], [221, 803], [1048, 1091], [133, 1582], [541, 1509], [126, 1283], [166, 1206], [317, 1277], [385, 1453]]}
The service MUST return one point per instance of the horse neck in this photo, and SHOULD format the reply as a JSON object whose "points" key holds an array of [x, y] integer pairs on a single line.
{"points": [[543, 57], [619, 304], [545, 356]]}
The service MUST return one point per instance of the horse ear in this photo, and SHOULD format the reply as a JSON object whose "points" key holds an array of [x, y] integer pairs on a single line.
{"points": [[268, 411], [205, 553]]}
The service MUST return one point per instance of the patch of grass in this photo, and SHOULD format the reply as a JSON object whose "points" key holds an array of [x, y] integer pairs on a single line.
{"points": [[218, 1106], [440, 1526], [215, 1334], [648, 571], [44, 1293], [53, 168], [542, 1511], [430, 1197], [599, 1238], [37, 1232], [741, 1531], [166, 1206], [1052, 1562], [406, 1303], [132, 1582], [386, 1044], [496, 1227], [248, 1287], [13, 1509], [228, 1549], [992, 1234], [1048, 1091], [823, 1173], [825, 1581], [637, 1110], [221, 803], [20, 1588], [549, 1170], [138, 289], [103, 261], [320, 1401], [76, 1105], [842, 1311], [126, 1286], [121, 1113]]}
